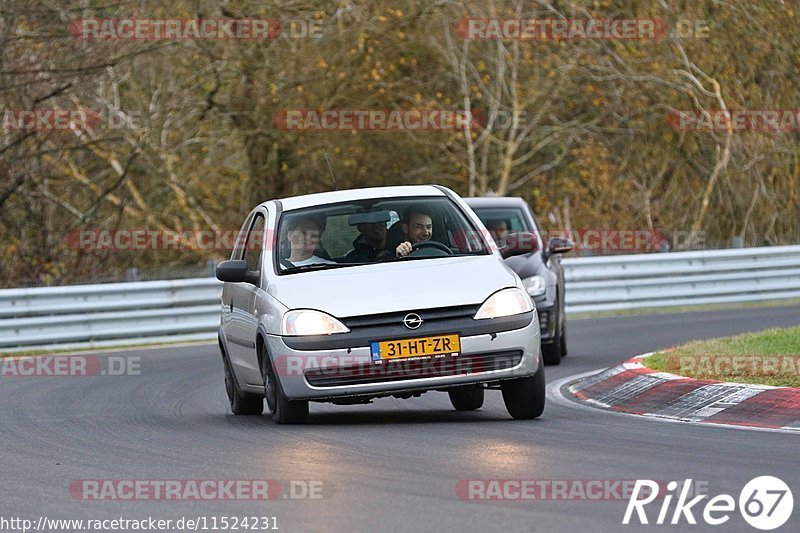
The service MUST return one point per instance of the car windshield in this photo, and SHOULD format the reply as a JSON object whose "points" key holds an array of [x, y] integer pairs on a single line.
{"points": [[501, 221], [370, 231]]}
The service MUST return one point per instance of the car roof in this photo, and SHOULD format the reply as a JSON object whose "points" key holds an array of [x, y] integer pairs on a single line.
{"points": [[495, 201], [332, 197]]}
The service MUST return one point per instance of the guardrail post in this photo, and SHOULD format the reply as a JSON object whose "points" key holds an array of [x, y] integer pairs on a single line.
{"points": [[132, 274], [212, 268]]}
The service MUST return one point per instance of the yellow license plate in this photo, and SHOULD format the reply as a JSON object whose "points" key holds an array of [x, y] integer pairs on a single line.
{"points": [[420, 347]]}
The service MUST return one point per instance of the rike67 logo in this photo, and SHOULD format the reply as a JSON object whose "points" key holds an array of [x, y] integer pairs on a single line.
{"points": [[765, 502]]}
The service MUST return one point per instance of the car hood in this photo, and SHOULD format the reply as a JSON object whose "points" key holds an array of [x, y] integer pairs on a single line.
{"points": [[395, 286]]}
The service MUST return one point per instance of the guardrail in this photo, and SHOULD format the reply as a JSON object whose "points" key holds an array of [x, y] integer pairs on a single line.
{"points": [[115, 314], [109, 314], [622, 282]]}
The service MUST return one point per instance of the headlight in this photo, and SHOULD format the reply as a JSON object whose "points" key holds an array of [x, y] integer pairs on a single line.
{"points": [[506, 302], [535, 285], [310, 322]]}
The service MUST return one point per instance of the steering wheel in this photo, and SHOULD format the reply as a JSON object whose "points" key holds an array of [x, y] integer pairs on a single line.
{"points": [[421, 245]]}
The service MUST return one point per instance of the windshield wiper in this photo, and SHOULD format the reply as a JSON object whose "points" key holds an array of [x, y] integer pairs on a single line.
{"points": [[474, 252], [455, 254], [319, 266]]}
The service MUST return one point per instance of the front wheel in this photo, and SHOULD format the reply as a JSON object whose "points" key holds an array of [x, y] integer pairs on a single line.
{"points": [[284, 410], [466, 397], [242, 403], [525, 397]]}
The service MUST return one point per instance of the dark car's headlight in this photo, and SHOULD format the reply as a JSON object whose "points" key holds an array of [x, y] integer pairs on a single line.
{"points": [[506, 302], [310, 322], [535, 285]]}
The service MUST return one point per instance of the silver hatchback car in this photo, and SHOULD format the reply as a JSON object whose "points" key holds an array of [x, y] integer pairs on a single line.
{"points": [[347, 296]]}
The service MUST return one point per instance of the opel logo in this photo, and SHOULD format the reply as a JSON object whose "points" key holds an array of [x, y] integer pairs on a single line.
{"points": [[412, 321]]}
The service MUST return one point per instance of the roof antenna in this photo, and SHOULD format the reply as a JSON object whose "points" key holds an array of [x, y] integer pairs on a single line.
{"points": [[330, 169]]}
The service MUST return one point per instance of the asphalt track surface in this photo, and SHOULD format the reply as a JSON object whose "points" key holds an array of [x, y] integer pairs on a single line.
{"points": [[390, 466]]}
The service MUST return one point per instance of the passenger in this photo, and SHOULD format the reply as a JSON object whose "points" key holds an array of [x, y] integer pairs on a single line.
{"points": [[370, 245], [417, 225], [304, 234]]}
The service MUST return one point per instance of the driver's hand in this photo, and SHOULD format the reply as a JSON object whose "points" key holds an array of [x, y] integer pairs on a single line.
{"points": [[403, 249]]}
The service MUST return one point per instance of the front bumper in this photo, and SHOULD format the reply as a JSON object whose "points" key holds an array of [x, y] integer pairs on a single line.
{"points": [[350, 372]]}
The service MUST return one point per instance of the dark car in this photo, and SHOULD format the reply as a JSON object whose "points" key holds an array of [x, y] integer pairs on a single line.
{"points": [[541, 271]]}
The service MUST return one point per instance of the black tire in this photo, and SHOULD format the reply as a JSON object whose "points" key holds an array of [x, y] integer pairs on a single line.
{"points": [[564, 339], [242, 403], [525, 397], [551, 352], [284, 411], [466, 397]]}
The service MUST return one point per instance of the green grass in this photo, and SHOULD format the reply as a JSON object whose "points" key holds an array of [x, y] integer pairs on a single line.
{"points": [[769, 357]]}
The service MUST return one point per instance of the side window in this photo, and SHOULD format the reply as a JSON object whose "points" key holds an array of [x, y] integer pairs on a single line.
{"points": [[254, 244], [238, 246]]}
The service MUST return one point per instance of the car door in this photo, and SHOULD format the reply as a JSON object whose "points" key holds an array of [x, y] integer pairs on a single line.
{"points": [[228, 289], [241, 334]]}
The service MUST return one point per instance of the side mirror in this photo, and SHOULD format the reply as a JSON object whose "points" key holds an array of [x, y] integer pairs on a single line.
{"points": [[560, 246], [235, 271], [519, 243]]}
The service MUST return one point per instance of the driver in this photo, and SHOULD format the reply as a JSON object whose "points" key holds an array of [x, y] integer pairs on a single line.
{"points": [[498, 229], [417, 225]]}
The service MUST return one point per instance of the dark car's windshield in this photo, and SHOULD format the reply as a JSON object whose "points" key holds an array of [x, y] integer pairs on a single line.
{"points": [[501, 221], [370, 231]]}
